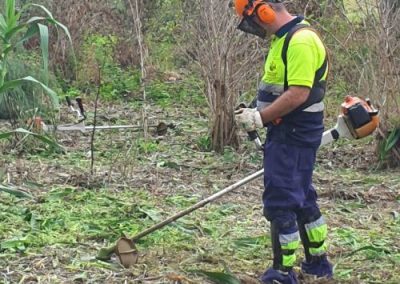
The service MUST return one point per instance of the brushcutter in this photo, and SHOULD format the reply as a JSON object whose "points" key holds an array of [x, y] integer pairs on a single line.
{"points": [[80, 124], [358, 119]]}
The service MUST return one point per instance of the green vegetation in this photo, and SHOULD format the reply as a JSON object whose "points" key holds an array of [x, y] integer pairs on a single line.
{"points": [[17, 100], [55, 215], [72, 215], [99, 64], [11, 28]]}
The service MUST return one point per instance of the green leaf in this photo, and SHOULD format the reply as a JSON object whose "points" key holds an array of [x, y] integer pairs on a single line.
{"points": [[12, 17], [8, 35], [344, 273], [66, 31], [49, 14], [7, 49], [3, 24], [44, 45], [10, 85], [31, 31], [16, 244], [10, 8], [369, 247], [60, 194], [219, 277], [386, 145], [15, 192], [5, 135], [40, 137], [64, 28], [392, 140], [151, 213], [35, 19], [51, 20], [18, 82], [251, 242]]}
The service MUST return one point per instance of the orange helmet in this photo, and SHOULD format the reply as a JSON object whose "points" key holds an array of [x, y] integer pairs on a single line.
{"points": [[260, 7], [240, 6]]}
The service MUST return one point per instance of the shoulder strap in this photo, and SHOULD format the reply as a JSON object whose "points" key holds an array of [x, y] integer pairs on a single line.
{"points": [[320, 72], [285, 47], [314, 97]]}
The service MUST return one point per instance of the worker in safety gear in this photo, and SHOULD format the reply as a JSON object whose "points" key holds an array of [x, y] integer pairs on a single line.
{"points": [[289, 104]]}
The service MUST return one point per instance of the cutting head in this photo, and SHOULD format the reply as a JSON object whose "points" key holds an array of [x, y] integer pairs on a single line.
{"points": [[126, 252]]}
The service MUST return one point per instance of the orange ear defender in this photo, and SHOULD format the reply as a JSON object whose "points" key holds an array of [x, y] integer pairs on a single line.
{"points": [[265, 13], [260, 7]]}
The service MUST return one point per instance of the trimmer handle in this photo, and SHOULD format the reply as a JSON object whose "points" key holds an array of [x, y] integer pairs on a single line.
{"points": [[80, 105], [253, 135]]}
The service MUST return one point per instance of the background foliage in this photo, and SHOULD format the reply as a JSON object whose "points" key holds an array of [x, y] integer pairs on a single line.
{"points": [[55, 214]]}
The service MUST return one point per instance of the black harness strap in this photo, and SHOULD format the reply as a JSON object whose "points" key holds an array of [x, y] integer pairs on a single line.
{"points": [[316, 94]]}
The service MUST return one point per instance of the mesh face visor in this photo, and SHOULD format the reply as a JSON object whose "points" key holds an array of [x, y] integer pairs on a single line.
{"points": [[248, 25]]}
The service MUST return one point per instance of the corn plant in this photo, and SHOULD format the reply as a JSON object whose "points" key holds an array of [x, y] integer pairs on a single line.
{"points": [[13, 32]]}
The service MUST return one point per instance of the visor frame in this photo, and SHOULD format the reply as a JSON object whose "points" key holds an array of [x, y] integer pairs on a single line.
{"points": [[248, 25]]}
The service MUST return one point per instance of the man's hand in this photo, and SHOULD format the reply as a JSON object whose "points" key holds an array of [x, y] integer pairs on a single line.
{"points": [[249, 119]]}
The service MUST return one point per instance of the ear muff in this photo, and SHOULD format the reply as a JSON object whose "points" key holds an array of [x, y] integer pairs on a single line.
{"points": [[265, 13]]}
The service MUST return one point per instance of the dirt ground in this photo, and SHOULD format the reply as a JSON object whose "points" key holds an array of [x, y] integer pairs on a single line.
{"points": [[55, 236]]}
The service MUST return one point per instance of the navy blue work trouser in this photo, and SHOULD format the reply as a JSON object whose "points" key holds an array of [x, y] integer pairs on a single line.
{"points": [[288, 181]]}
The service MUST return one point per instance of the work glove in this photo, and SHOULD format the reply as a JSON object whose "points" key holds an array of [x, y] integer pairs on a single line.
{"points": [[249, 119]]}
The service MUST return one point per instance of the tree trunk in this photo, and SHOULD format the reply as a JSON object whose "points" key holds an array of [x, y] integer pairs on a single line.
{"points": [[226, 58], [223, 131]]}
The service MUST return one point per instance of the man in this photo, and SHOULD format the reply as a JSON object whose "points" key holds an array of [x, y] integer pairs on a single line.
{"points": [[289, 103]]}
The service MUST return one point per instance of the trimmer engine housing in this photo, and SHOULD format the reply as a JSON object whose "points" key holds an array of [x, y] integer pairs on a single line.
{"points": [[360, 116]]}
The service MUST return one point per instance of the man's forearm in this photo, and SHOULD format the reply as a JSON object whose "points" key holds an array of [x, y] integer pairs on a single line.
{"points": [[284, 104]]}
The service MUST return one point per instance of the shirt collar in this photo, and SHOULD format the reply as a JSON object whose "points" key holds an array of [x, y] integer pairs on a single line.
{"points": [[288, 26]]}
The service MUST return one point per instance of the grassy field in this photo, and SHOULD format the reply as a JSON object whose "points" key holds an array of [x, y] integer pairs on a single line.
{"points": [[55, 236]]}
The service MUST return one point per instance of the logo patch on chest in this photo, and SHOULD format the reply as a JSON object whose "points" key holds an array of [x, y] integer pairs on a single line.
{"points": [[272, 67]]}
